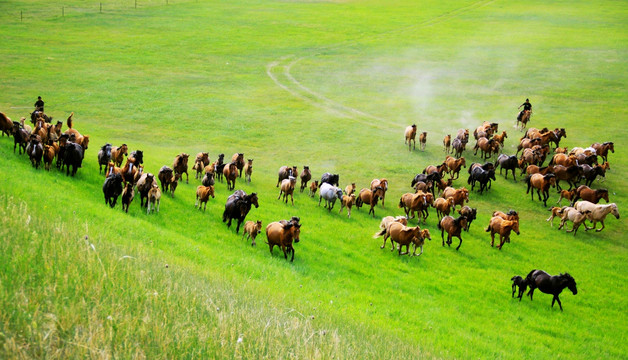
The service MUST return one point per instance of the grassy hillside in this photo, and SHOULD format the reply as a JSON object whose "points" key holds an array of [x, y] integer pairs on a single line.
{"points": [[331, 85]]}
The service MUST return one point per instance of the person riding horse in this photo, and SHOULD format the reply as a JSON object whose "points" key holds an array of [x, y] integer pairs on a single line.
{"points": [[39, 104], [526, 106]]}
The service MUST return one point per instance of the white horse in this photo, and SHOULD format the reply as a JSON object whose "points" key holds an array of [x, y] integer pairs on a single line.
{"points": [[330, 193], [598, 212]]}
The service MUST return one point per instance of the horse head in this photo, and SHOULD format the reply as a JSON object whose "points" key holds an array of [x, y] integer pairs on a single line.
{"points": [[253, 198], [339, 193], [569, 282]]}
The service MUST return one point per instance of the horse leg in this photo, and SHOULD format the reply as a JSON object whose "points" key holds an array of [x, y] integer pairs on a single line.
{"points": [[559, 304], [442, 235], [292, 250], [280, 192], [501, 242], [459, 243], [239, 223], [595, 224]]}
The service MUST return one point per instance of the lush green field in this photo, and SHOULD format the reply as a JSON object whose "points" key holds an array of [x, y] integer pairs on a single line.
{"points": [[331, 85]]}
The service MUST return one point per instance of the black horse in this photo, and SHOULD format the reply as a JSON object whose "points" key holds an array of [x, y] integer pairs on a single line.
{"points": [[590, 173], [20, 137], [482, 176], [433, 177], [112, 188], [550, 284], [510, 163], [220, 165], [238, 206], [72, 156], [104, 155], [331, 179], [139, 157]]}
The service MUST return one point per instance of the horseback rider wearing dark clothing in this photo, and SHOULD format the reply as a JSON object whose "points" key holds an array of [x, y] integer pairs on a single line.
{"points": [[39, 104], [526, 106]]}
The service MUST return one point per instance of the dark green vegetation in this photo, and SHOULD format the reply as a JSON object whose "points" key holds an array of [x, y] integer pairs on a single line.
{"points": [[204, 77]]}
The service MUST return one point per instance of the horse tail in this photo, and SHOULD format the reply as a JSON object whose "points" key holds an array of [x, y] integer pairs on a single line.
{"points": [[438, 225], [224, 216], [378, 234], [530, 277], [70, 120]]}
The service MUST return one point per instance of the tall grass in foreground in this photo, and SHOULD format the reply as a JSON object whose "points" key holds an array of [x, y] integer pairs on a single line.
{"points": [[76, 296]]}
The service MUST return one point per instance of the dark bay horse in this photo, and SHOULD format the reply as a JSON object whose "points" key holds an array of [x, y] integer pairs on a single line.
{"points": [[238, 206], [550, 284]]}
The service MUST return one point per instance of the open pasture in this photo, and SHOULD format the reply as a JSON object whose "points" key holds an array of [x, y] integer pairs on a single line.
{"points": [[331, 85]]}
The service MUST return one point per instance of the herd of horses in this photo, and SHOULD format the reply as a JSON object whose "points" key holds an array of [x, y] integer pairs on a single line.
{"points": [[48, 142]]}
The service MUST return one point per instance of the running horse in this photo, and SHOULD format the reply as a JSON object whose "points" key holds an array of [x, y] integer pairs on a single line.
{"points": [[524, 119], [550, 284]]}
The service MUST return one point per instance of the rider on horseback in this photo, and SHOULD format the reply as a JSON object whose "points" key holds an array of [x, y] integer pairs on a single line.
{"points": [[39, 104], [526, 106]]}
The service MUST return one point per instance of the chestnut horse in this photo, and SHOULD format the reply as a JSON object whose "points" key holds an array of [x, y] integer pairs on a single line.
{"points": [[410, 136], [231, 174]]}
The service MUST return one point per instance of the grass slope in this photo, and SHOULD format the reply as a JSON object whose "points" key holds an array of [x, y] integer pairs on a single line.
{"points": [[302, 83]]}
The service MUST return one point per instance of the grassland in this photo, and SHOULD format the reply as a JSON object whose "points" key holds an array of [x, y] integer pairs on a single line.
{"points": [[326, 84]]}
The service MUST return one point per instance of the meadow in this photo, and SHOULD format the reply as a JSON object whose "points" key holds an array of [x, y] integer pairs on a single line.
{"points": [[331, 85]]}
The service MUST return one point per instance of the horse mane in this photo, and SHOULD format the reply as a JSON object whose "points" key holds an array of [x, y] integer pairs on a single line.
{"points": [[601, 191], [567, 277], [104, 146]]}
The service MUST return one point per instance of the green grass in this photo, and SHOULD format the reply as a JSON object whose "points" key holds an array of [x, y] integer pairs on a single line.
{"points": [[194, 76]]}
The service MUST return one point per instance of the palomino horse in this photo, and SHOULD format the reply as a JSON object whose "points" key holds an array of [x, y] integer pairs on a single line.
{"points": [[524, 119], [598, 212], [550, 284]]}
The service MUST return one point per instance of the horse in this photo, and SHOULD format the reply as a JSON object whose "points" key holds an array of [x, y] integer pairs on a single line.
{"points": [[112, 188], [350, 189], [331, 179], [598, 212], [541, 183], [138, 155], [180, 166], [404, 235], [459, 195], [49, 154], [443, 206], [35, 150], [284, 173], [129, 171], [523, 118], [201, 160], [555, 212], [500, 138], [384, 225], [283, 235], [459, 146], [521, 283], [441, 169], [167, 178], [127, 197], [104, 155], [347, 201], [313, 188], [602, 149], [20, 138], [154, 199], [410, 136], [230, 173], [482, 176], [6, 124], [202, 196], [287, 188], [591, 173], [574, 215], [330, 193], [487, 147], [592, 195], [414, 202], [251, 230], [219, 166], [118, 154], [507, 162], [73, 157], [549, 284], [447, 144], [238, 159], [248, 170], [566, 194], [238, 206], [454, 166], [306, 175], [433, 177], [144, 184], [503, 227], [469, 213], [383, 183], [422, 140], [453, 227], [368, 196], [571, 175]]}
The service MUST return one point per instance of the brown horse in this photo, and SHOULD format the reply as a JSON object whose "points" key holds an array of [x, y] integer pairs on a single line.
{"points": [[591, 195], [381, 183], [283, 235], [180, 166], [454, 166], [459, 146], [422, 140], [541, 183], [460, 195], [287, 188], [129, 171], [285, 172], [251, 230], [238, 159], [414, 202], [231, 174], [202, 196], [524, 119], [503, 227], [410, 136], [367, 196], [313, 188], [201, 160], [306, 175], [248, 170], [500, 138], [443, 206], [118, 154], [384, 225], [447, 144], [453, 227], [602, 149], [440, 169], [404, 236]]}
